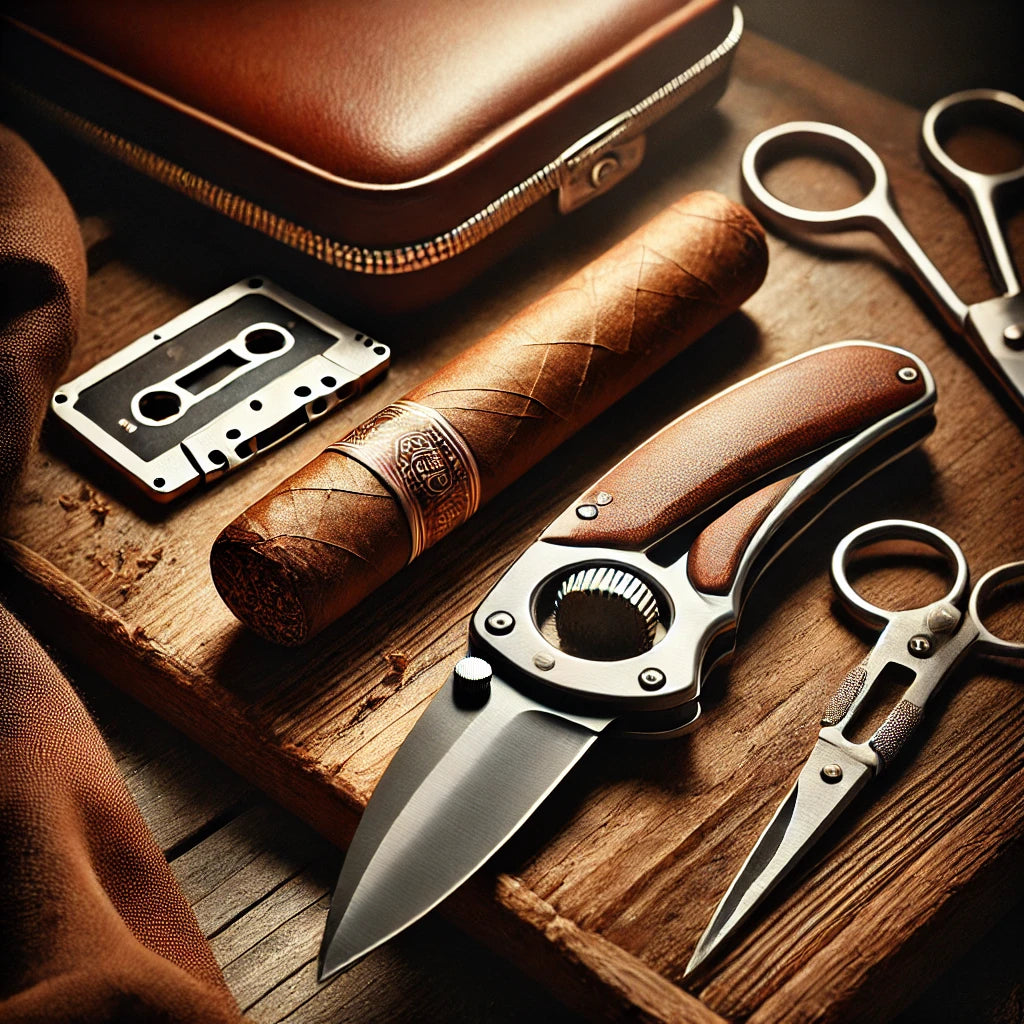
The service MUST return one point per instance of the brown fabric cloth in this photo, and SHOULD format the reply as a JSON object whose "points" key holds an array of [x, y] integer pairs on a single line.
{"points": [[93, 926]]}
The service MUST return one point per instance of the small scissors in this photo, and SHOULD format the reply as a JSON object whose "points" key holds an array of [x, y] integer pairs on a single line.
{"points": [[927, 643], [994, 327]]}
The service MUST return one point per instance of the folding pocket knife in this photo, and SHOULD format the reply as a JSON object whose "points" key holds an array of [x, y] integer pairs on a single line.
{"points": [[614, 616]]}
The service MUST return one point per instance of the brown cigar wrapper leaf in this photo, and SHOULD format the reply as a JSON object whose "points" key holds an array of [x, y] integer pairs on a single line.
{"points": [[334, 531]]}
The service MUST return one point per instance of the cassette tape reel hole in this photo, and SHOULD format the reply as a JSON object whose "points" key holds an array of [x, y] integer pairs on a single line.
{"points": [[264, 339], [159, 406]]}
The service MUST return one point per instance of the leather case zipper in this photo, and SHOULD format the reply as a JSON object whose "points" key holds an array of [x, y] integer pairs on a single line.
{"points": [[589, 167]]}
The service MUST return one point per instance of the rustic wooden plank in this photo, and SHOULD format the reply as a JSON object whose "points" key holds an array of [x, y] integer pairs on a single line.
{"points": [[292, 896], [180, 795], [262, 877], [263, 868], [203, 869], [608, 888]]}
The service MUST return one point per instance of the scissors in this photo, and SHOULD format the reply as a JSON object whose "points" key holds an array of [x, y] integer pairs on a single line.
{"points": [[613, 617], [928, 643], [995, 327]]}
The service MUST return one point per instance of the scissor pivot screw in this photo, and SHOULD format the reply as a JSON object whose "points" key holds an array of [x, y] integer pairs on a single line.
{"points": [[920, 646], [652, 679], [1014, 336], [832, 772], [472, 680], [499, 623], [907, 374]]}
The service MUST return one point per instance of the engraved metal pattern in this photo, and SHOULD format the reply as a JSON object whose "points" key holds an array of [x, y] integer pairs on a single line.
{"points": [[403, 259], [425, 463], [842, 700], [893, 732]]}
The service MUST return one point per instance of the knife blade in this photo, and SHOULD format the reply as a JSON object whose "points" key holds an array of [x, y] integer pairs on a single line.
{"points": [[462, 782]]}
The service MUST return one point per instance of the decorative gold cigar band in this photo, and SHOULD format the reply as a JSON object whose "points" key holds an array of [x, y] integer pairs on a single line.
{"points": [[426, 464]]}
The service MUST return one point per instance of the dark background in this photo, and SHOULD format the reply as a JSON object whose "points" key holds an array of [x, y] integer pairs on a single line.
{"points": [[915, 50]]}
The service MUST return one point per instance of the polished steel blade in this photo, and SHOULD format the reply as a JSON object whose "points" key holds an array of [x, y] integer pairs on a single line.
{"points": [[461, 783], [811, 806]]}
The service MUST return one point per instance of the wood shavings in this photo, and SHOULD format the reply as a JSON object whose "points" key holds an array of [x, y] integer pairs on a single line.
{"points": [[95, 505]]}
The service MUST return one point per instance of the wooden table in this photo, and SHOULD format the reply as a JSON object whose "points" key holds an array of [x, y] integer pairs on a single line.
{"points": [[603, 895]]}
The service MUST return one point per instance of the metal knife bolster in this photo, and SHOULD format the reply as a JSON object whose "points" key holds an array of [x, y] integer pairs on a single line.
{"points": [[737, 469]]}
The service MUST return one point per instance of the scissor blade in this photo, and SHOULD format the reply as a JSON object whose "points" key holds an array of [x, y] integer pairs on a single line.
{"points": [[811, 806], [459, 786]]}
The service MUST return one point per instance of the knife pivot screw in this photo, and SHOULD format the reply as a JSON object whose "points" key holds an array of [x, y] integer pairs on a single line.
{"points": [[652, 679], [832, 772], [907, 374], [1014, 336], [499, 623], [920, 646], [586, 511], [472, 681]]}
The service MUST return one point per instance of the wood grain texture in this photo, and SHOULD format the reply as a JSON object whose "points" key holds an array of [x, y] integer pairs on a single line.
{"points": [[606, 890]]}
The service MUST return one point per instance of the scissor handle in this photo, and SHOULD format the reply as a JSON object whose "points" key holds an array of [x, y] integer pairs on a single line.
{"points": [[895, 529], [982, 190], [874, 211], [796, 137], [988, 642]]}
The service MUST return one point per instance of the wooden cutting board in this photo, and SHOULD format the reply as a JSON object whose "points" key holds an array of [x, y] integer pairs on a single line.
{"points": [[605, 892]]}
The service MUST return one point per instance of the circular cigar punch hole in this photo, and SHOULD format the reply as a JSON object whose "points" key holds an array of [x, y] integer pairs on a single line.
{"points": [[601, 612]]}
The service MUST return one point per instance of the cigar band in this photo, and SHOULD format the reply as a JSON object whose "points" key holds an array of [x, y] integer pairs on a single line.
{"points": [[424, 462]]}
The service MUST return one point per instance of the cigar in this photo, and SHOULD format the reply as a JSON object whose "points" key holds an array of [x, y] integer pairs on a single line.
{"points": [[349, 520]]}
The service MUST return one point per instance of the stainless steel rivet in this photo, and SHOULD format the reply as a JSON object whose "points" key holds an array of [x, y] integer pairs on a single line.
{"points": [[544, 662], [1014, 336], [602, 498], [652, 679], [586, 511], [499, 623], [907, 374], [832, 772], [920, 646]]}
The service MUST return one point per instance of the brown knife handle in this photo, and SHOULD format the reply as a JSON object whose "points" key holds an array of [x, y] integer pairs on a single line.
{"points": [[742, 435], [714, 558]]}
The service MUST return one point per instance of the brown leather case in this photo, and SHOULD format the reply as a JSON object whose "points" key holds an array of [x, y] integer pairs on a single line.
{"points": [[393, 140], [327, 536]]}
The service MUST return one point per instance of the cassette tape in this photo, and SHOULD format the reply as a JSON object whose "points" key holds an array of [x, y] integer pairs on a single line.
{"points": [[208, 391]]}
